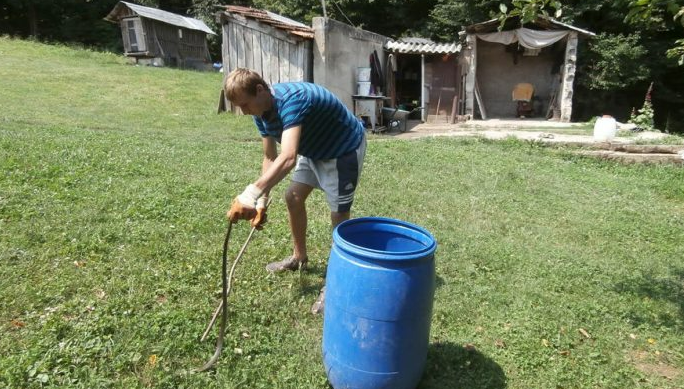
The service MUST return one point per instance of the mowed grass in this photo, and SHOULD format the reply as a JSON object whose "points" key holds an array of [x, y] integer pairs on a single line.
{"points": [[554, 271]]}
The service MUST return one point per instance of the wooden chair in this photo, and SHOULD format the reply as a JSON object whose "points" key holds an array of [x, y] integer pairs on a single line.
{"points": [[523, 93]]}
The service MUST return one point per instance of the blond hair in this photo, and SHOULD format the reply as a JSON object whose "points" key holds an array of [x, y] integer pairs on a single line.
{"points": [[243, 80]]}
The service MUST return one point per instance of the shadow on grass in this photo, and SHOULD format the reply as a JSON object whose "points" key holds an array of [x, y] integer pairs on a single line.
{"points": [[660, 289], [439, 282], [453, 366]]}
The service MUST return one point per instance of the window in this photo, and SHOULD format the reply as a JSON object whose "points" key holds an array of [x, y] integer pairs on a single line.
{"points": [[134, 39]]}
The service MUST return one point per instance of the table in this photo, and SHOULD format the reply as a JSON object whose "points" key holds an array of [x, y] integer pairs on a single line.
{"points": [[370, 106]]}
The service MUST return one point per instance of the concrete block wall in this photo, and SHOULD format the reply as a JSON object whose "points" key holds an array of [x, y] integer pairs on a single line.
{"points": [[339, 49]]}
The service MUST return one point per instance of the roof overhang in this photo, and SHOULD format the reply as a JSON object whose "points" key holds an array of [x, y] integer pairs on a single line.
{"points": [[277, 21], [422, 46]]}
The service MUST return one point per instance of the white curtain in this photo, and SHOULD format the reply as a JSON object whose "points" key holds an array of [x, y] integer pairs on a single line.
{"points": [[503, 37], [531, 39]]}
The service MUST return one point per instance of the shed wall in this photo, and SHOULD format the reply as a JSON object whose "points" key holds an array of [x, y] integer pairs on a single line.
{"points": [[185, 49], [339, 50], [273, 53], [498, 73]]}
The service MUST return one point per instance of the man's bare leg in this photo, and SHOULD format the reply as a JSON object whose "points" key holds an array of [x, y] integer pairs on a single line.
{"points": [[295, 198]]}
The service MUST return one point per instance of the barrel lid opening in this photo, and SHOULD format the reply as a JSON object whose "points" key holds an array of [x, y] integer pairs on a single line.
{"points": [[384, 238]]}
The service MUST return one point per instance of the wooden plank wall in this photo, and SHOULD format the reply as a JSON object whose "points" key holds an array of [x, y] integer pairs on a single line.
{"points": [[273, 53], [193, 45]]}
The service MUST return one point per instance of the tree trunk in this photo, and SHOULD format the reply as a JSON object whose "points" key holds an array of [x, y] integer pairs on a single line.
{"points": [[32, 19]]}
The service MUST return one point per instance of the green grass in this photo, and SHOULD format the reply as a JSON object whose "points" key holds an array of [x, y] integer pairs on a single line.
{"points": [[115, 181]]}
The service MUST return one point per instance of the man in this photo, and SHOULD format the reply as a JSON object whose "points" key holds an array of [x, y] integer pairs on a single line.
{"points": [[320, 139]]}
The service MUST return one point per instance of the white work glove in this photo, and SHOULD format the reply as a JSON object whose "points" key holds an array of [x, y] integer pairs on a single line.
{"points": [[260, 218], [244, 205]]}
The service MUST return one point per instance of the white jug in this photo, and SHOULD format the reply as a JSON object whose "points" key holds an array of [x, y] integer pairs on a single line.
{"points": [[605, 129]]}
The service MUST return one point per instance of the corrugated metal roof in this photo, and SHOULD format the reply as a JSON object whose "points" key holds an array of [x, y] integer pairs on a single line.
{"points": [[157, 14], [278, 21], [422, 46]]}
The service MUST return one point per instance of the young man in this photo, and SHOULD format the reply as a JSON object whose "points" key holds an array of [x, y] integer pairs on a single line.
{"points": [[320, 139]]}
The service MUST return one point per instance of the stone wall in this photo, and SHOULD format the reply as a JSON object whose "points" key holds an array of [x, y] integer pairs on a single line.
{"points": [[568, 77]]}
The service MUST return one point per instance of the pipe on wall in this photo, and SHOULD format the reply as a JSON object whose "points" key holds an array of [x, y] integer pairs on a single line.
{"points": [[423, 111]]}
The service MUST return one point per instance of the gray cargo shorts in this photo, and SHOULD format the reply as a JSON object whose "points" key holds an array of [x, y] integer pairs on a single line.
{"points": [[337, 177]]}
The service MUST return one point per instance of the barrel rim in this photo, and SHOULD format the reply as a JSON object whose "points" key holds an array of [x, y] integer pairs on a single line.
{"points": [[381, 254]]}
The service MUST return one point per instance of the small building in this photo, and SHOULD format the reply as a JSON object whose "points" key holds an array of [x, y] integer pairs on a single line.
{"points": [[425, 76], [541, 56], [160, 38]]}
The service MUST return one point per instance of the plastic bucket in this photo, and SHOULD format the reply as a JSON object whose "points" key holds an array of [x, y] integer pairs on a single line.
{"points": [[363, 74], [363, 88], [378, 304], [605, 129]]}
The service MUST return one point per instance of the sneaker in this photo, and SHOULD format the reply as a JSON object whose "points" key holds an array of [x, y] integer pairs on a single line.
{"points": [[319, 305], [289, 263]]}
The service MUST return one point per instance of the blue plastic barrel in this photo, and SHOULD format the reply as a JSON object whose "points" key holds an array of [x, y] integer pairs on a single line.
{"points": [[378, 304]]}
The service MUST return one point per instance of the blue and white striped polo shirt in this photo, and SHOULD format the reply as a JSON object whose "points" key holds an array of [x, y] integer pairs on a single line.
{"points": [[329, 129]]}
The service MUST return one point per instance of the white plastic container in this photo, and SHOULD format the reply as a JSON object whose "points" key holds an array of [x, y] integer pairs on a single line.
{"points": [[605, 129], [363, 88], [363, 74]]}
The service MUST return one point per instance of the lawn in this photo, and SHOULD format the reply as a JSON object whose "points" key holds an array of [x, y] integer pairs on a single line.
{"points": [[553, 270]]}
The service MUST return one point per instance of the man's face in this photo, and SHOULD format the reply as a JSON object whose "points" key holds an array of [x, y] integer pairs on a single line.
{"points": [[251, 104]]}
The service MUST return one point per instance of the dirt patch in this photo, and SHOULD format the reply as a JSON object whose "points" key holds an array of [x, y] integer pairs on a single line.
{"points": [[654, 365], [654, 158]]}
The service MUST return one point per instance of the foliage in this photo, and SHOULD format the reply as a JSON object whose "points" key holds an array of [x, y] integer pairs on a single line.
{"points": [[644, 116], [678, 50], [553, 270], [529, 10], [72, 21], [391, 18], [653, 14], [615, 62], [448, 17]]}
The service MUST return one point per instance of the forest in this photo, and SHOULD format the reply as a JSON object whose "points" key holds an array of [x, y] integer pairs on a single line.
{"points": [[633, 68]]}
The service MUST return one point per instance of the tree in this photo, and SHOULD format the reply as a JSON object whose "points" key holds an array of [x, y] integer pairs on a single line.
{"points": [[653, 14], [530, 10], [391, 18], [69, 21], [448, 17], [607, 55]]}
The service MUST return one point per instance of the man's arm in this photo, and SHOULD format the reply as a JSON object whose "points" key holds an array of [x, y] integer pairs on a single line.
{"points": [[270, 154], [274, 170]]}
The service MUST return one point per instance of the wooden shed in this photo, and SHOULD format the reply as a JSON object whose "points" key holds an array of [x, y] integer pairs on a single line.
{"points": [[537, 59], [278, 48], [160, 38]]}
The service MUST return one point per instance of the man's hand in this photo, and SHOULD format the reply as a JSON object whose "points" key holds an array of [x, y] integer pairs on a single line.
{"points": [[239, 211], [260, 219], [244, 205]]}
